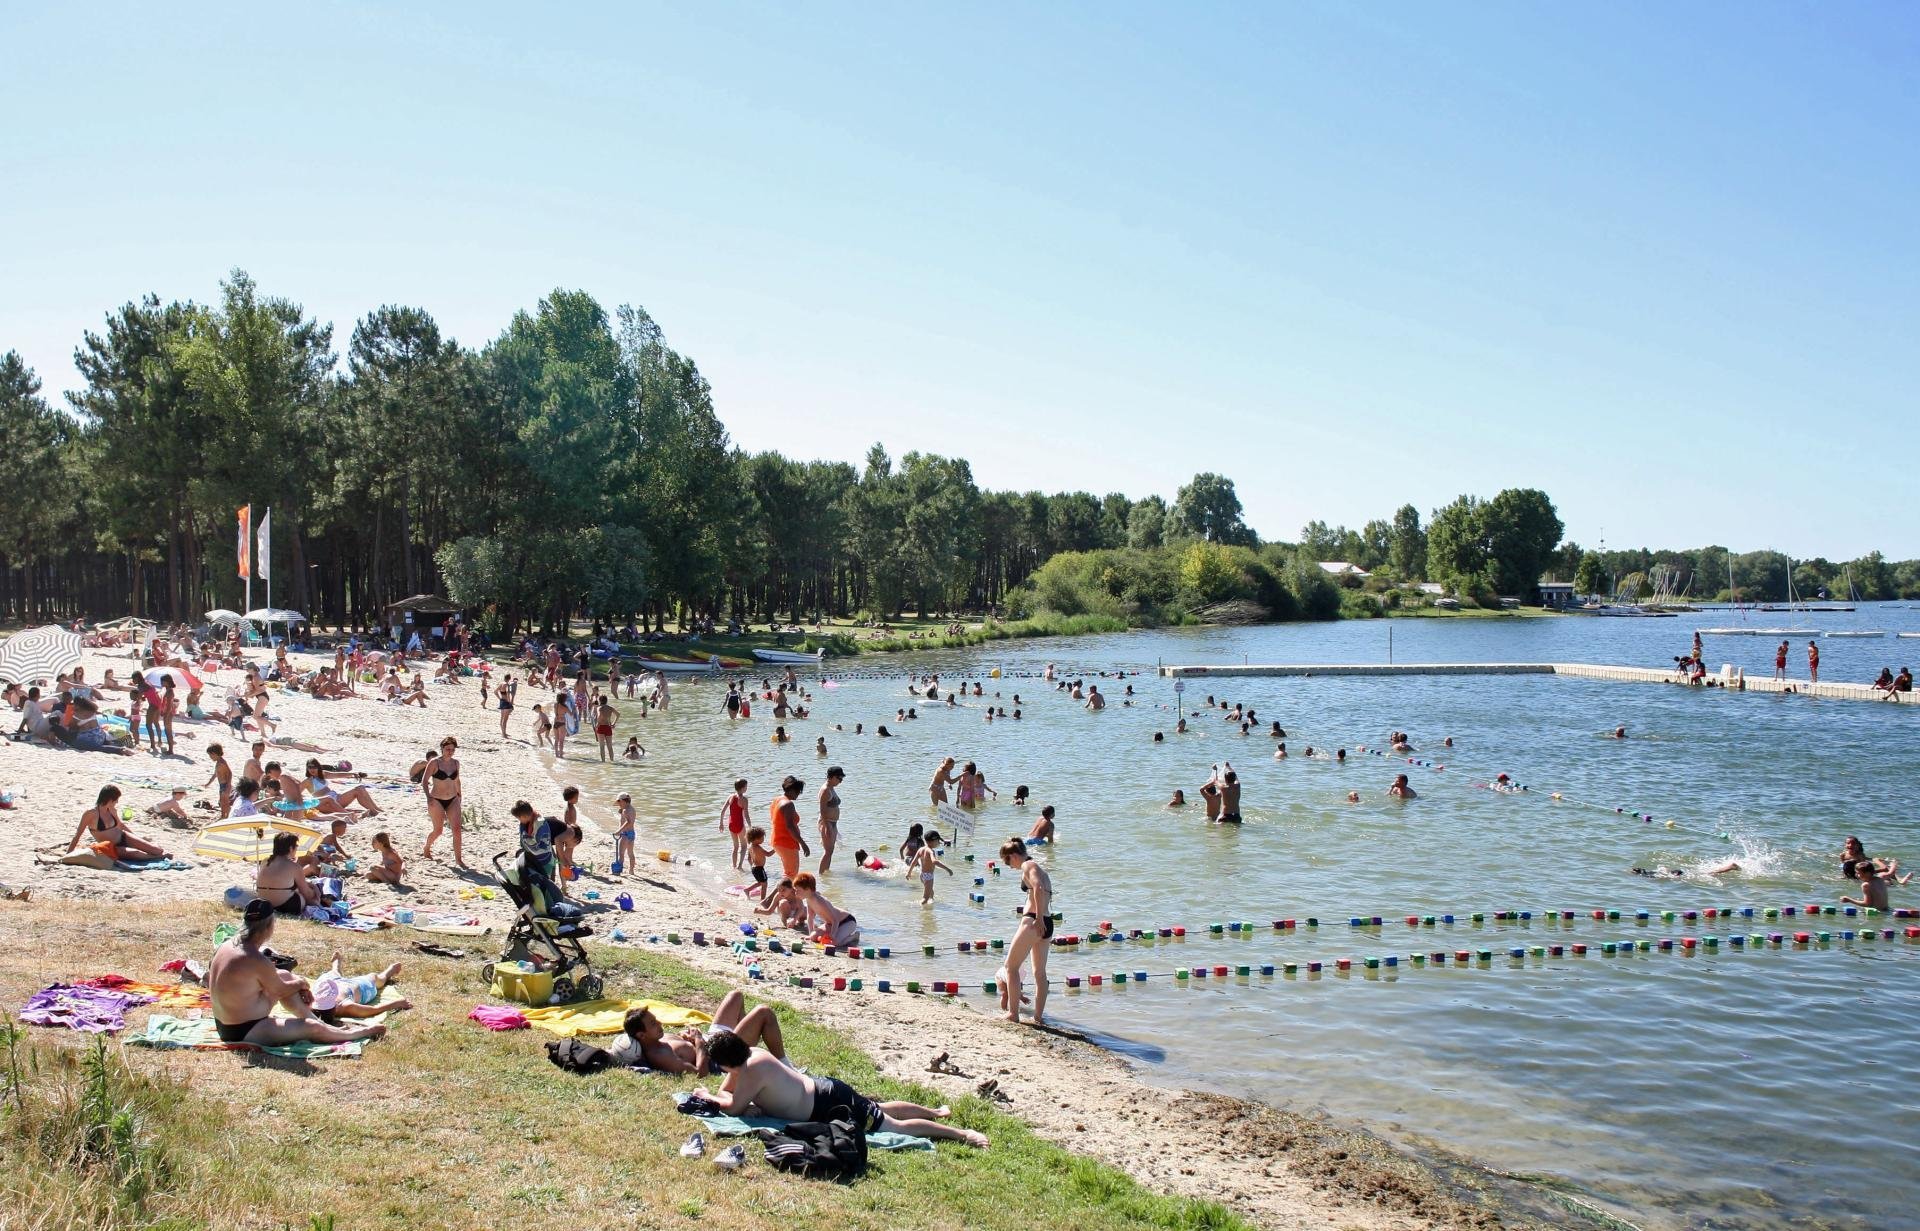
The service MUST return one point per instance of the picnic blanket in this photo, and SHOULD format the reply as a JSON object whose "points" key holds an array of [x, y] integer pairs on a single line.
{"points": [[91, 1010], [609, 1016], [741, 1126]]}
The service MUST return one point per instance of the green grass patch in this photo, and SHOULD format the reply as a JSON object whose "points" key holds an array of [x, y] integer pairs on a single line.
{"points": [[444, 1124]]}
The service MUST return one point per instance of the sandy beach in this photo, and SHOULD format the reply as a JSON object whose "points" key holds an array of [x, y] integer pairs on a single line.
{"points": [[1278, 1168]]}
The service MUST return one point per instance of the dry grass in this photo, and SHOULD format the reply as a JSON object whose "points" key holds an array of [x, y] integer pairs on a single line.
{"points": [[444, 1124]]}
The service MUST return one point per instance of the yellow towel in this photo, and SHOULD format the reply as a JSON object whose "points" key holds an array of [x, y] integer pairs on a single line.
{"points": [[609, 1016]]}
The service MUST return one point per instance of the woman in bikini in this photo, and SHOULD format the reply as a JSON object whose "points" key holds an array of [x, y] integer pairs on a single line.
{"points": [[504, 695], [101, 826], [830, 815], [1031, 939], [281, 881], [937, 789], [441, 783]]}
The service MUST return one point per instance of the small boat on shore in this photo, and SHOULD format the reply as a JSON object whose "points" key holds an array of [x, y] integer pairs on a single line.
{"points": [[789, 657], [676, 666]]}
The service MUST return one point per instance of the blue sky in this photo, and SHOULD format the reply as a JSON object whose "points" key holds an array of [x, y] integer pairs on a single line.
{"points": [[1659, 260]]}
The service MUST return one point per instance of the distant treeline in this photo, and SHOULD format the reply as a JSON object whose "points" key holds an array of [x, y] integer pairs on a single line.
{"points": [[575, 464]]}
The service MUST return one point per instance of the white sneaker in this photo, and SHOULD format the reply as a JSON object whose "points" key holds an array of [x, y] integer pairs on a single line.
{"points": [[695, 1147], [731, 1159]]}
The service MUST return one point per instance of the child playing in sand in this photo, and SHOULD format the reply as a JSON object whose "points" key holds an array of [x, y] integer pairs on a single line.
{"points": [[785, 902], [332, 851], [624, 835], [387, 872], [924, 863], [756, 856], [337, 994], [173, 808]]}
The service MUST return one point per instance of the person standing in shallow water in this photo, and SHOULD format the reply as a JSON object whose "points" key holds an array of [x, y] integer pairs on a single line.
{"points": [[785, 817], [830, 815], [1031, 938]]}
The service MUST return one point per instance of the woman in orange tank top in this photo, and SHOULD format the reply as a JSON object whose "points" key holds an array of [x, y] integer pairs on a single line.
{"points": [[785, 815]]}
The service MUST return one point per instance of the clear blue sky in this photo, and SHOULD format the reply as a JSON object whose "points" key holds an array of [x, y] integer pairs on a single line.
{"points": [[1660, 260]]}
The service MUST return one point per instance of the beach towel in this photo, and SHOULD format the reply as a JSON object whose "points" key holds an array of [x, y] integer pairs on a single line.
{"points": [[498, 1017], [166, 995], [91, 1010], [152, 865], [737, 1126], [200, 1034], [609, 1016]]}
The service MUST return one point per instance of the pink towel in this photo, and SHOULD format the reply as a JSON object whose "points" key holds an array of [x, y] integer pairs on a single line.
{"points": [[498, 1017]]}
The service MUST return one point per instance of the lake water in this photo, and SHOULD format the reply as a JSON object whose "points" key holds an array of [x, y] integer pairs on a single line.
{"points": [[1736, 1088]]}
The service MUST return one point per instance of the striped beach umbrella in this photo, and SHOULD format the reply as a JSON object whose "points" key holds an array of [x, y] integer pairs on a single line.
{"points": [[249, 839], [39, 654]]}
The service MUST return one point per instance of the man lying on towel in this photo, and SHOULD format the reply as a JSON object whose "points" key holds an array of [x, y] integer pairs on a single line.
{"points": [[759, 1082], [245, 986]]}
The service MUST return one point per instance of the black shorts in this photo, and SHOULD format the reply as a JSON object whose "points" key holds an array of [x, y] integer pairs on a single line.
{"points": [[760, 875], [834, 1099], [235, 1032]]}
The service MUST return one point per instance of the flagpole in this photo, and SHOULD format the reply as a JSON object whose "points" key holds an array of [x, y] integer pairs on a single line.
{"points": [[265, 563], [247, 533]]}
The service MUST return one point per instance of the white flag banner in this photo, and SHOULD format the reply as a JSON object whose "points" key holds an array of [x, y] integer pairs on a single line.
{"points": [[263, 561]]}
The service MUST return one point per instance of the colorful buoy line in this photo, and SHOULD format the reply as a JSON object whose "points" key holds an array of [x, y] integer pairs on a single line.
{"points": [[1484, 959], [1106, 933], [1521, 788]]}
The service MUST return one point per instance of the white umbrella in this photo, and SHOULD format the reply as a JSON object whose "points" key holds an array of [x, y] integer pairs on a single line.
{"points": [[220, 615], [39, 654], [276, 615]]}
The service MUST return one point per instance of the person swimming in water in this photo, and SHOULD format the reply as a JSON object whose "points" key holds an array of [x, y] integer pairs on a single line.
{"points": [[1179, 799], [1400, 789]]}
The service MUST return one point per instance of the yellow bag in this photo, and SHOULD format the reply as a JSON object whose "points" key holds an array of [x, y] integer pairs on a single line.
{"points": [[534, 987]]}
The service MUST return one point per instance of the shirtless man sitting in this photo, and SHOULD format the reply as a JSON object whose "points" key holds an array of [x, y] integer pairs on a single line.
{"points": [[646, 1041], [761, 1082], [245, 985]]}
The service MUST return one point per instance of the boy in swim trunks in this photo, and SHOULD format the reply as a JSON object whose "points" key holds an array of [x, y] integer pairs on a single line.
{"points": [[824, 919], [757, 855], [623, 836]]}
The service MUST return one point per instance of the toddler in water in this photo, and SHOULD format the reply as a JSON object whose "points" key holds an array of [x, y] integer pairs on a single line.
{"points": [[756, 857], [633, 750], [1020, 796], [623, 836], [924, 863]]}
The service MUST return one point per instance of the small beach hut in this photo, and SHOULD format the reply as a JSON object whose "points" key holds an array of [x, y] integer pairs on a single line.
{"points": [[422, 611]]}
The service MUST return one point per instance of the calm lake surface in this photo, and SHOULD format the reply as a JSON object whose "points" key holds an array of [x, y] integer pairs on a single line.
{"points": [[1737, 1088]]}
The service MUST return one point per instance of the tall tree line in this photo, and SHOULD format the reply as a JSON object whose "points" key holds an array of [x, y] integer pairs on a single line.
{"points": [[575, 464]]}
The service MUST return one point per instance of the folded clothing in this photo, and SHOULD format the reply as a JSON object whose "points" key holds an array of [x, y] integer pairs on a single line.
{"points": [[740, 1126], [609, 1016]]}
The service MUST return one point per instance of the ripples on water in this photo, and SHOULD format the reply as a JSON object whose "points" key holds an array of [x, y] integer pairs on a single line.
{"points": [[1773, 1088]]}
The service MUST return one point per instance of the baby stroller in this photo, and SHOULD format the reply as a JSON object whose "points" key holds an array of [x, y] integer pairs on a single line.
{"points": [[550, 941]]}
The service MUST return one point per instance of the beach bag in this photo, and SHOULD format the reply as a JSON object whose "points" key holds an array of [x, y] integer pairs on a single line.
{"points": [[818, 1150], [578, 1056]]}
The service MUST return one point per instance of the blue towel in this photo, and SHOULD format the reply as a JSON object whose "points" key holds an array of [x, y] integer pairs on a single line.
{"points": [[734, 1126]]}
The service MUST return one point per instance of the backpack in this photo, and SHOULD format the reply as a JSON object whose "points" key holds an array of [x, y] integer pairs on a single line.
{"points": [[819, 1150], [578, 1056]]}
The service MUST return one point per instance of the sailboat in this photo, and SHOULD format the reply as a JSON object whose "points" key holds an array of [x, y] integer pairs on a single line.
{"points": [[1853, 596]]}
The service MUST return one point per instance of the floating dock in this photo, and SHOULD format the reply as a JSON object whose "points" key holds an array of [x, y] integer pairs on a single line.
{"points": [[1727, 678]]}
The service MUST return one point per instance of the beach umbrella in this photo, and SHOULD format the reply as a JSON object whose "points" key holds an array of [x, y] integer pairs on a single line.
{"points": [[183, 679], [39, 654], [220, 615], [249, 839]]}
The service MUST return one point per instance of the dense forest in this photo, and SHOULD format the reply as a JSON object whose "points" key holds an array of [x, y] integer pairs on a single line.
{"points": [[576, 464]]}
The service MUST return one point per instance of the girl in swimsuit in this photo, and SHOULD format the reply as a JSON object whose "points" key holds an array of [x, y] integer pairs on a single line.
{"points": [[969, 790], [107, 836], [441, 784], [733, 821], [830, 815]]}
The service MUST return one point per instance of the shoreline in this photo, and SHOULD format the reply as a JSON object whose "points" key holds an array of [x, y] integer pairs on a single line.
{"points": [[1278, 1167]]}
